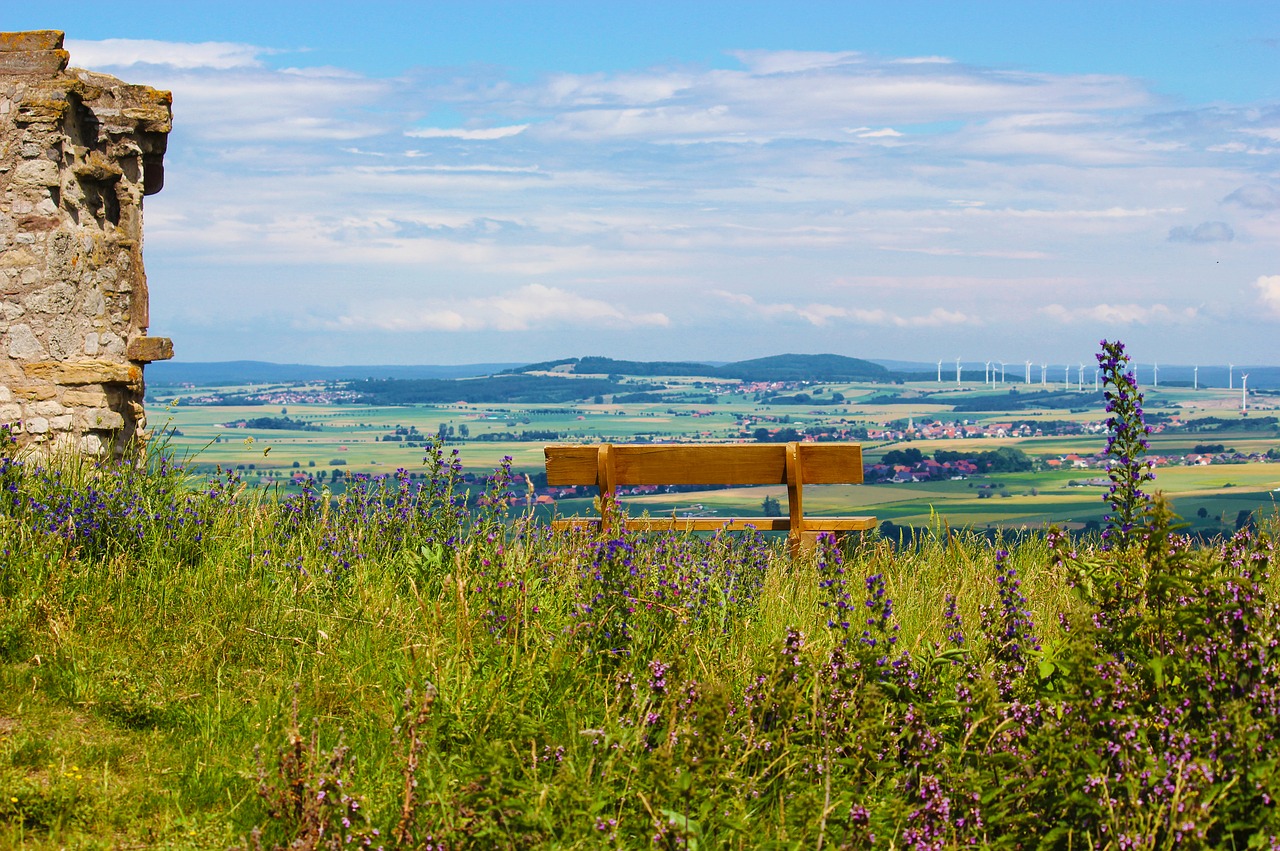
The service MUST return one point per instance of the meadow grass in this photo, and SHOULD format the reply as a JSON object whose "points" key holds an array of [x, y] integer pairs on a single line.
{"points": [[170, 646]]}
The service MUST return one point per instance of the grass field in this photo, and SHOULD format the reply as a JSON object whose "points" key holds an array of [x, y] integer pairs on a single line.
{"points": [[200, 668]]}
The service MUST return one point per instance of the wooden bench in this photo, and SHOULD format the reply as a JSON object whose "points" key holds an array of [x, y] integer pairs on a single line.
{"points": [[795, 465]]}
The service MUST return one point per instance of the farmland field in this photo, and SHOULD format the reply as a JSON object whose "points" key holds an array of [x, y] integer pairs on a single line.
{"points": [[354, 438]]}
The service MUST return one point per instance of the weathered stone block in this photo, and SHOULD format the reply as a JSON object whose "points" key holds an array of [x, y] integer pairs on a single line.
{"points": [[111, 343], [36, 392], [18, 257], [37, 173], [101, 419], [148, 349], [23, 343], [36, 425], [33, 62], [98, 168], [58, 298], [63, 422], [31, 40], [88, 397], [97, 371]]}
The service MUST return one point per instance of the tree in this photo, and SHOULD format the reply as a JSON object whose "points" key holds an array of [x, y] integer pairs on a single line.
{"points": [[464, 431], [785, 435], [771, 507], [906, 457], [1202, 513], [1007, 459]]}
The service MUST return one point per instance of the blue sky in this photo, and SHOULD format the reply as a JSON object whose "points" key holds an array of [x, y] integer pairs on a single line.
{"points": [[449, 182]]}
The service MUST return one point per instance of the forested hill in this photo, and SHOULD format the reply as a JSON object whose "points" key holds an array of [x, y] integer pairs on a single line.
{"points": [[805, 368], [788, 367], [609, 366]]}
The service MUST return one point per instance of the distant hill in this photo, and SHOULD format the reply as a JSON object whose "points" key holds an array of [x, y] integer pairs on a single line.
{"points": [[174, 373], [609, 366], [805, 368], [790, 367], [776, 368]]}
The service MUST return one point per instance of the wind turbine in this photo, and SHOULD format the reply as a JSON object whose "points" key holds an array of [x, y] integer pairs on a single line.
{"points": [[1155, 371], [1028, 372], [1096, 372], [939, 372], [1002, 372], [1044, 373], [1080, 387], [957, 372], [1244, 392], [1066, 377], [986, 375], [1230, 381], [1195, 375]]}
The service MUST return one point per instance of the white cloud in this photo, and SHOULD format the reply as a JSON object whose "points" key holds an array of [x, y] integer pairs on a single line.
{"points": [[470, 135], [791, 94], [1268, 287], [794, 61], [531, 307], [125, 52], [940, 251], [820, 314], [874, 196], [1121, 314], [868, 133], [924, 60]]}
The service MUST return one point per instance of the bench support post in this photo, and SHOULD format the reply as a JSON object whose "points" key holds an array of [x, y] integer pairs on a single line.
{"points": [[795, 499], [606, 483]]}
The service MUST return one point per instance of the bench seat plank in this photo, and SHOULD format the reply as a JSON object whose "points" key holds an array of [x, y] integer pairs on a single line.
{"points": [[706, 464], [712, 524]]}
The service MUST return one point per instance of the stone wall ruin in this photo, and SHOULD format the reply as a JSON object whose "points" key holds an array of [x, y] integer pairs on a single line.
{"points": [[78, 151]]}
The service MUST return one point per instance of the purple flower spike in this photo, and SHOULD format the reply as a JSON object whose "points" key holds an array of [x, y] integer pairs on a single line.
{"points": [[1126, 444]]}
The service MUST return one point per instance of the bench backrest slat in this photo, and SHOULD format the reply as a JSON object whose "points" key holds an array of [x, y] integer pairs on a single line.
{"points": [[717, 464]]}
